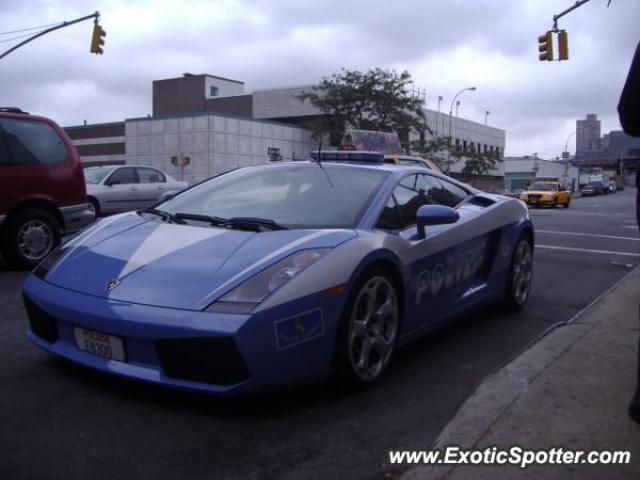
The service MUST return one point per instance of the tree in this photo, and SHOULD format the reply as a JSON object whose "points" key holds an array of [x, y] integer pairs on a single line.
{"points": [[373, 100], [434, 149], [438, 150], [479, 163]]}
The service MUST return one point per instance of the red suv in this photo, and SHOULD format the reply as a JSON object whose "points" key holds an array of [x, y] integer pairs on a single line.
{"points": [[42, 188]]}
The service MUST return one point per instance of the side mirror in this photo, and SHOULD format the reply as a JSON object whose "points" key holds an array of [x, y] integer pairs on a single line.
{"points": [[434, 215], [110, 183]]}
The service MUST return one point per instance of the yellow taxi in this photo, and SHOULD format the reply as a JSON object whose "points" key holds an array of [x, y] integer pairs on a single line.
{"points": [[546, 194]]}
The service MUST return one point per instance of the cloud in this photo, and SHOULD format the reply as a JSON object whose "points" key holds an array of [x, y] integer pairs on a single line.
{"points": [[491, 44]]}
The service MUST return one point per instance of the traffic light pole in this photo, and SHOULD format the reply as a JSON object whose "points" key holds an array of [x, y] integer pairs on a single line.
{"points": [[95, 16], [578, 3]]}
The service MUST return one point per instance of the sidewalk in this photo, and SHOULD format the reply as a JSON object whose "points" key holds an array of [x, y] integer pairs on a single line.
{"points": [[571, 390]]}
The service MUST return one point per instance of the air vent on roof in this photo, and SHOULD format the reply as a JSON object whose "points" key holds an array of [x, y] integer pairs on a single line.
{"points": [[481, 201]]}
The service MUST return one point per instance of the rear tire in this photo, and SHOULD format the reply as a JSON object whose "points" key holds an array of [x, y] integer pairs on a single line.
{"points": [[28, 237], [368, 330], [94, 206], [519, 279]]}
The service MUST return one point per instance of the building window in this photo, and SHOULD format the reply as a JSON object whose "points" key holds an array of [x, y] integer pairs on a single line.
{"points": [[213, 91], [464, 145], [457, 142]]}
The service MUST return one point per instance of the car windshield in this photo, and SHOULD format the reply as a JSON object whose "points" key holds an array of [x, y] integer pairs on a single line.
{"points": [[545, 187], [94, 175], [309, 195], [596, 184]]}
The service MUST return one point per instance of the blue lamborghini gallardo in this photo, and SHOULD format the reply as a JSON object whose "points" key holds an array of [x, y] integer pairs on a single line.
{"points": [[280, 274]]}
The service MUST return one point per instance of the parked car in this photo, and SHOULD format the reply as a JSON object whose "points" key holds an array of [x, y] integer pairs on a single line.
{"points": [[280, 274], [594, 188], [547, 194], [114, 189], [42, 192]]}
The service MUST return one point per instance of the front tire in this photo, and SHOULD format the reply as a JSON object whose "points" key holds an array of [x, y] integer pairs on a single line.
{"points": [[519, 279], [368, 331], [28, 237]]}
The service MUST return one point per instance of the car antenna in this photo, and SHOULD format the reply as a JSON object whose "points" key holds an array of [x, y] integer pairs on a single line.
{"points": [[319, 162]]}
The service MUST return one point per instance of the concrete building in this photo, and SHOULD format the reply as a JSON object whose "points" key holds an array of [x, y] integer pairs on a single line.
{"points": [[520, 171], [588, 134], [219, 126], [101, 143], [215, 143]]}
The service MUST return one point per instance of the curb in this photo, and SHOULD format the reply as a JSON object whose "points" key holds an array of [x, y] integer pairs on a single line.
{"points": [[496, 393]]}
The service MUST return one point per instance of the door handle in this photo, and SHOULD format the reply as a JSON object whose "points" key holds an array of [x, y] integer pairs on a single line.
{"points": [[133, 189]]}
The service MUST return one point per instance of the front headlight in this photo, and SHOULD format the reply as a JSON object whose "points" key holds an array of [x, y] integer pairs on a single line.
{"points": [[246, 296]]}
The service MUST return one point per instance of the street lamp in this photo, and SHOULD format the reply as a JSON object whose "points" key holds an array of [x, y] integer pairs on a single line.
{"points": [[438, 115], [457, 106], [566, 144], [486, 114], [471, 89]]}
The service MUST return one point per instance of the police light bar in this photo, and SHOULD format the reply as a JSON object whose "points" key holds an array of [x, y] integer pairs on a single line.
{"points": [[348, 156]]}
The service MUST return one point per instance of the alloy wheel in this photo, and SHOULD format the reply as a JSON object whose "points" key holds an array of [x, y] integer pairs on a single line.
{"points": [[35, 239], [522, 272], [373, 328]]}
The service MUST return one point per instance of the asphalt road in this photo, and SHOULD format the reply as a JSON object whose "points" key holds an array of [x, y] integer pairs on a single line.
{"points": [[58, 420]]}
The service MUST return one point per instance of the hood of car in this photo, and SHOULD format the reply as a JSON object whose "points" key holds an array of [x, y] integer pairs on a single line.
{"points": [[134, 260]]}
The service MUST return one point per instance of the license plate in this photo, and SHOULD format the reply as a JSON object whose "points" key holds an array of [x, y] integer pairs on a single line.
{"points": [[100, 344]]}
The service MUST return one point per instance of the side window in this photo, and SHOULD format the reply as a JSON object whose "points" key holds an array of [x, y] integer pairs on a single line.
{"points": [[32, 143], [390, 216], [5, 159], [449, 194], [411, 193], [122, 176], [149, 175]]}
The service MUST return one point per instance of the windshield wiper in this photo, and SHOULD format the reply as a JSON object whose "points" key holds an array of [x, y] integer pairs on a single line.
{"points": [[166, 216], [253, 223], [200, 218]]}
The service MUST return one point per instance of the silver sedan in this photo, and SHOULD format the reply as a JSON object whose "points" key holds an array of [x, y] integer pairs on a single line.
{"points": [[116, 189]]}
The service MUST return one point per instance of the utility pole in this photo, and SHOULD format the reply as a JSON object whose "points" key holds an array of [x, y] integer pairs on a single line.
{"points": [[95, 16], [471, 89], [438, 115]]}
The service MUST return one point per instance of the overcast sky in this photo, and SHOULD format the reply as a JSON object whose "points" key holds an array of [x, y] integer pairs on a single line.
{"points": [[445, 44]]}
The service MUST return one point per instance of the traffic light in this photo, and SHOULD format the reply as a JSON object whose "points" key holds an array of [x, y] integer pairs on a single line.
{"points": [[545, 46], [563, 45], [97, 40]]}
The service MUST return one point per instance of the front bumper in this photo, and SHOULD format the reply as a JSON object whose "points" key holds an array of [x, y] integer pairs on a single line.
{"points": [[76, 217], [538, 201], [215, 353]]}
